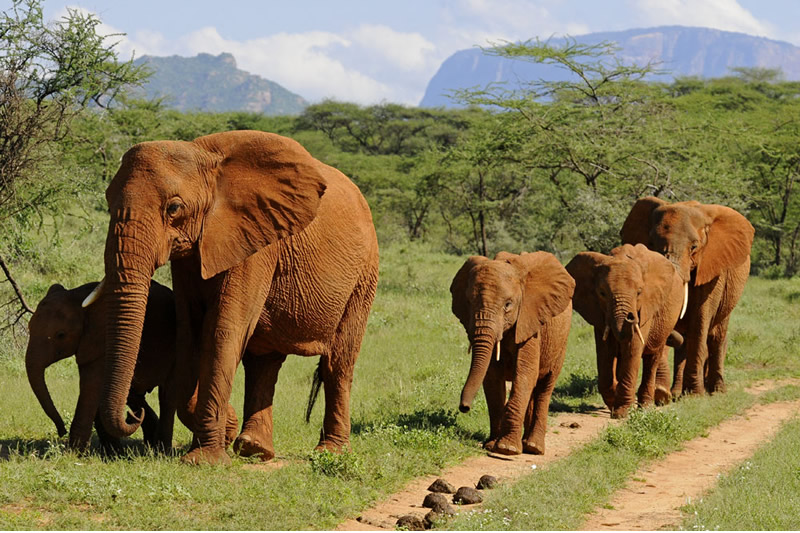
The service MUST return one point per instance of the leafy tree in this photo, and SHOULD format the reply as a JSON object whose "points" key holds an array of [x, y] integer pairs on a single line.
{"points": [[49, 74]]}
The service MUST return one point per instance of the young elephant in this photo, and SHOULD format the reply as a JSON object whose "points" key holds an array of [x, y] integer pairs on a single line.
{"points": [[60, 328], [637, 296], [517, 311]]}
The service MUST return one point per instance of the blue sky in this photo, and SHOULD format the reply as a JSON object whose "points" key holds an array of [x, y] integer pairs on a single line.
{"points": [[372, 51]]}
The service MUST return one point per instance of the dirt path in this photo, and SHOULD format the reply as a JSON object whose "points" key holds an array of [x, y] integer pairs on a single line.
{"points": [[685, 475], [569, 431]]}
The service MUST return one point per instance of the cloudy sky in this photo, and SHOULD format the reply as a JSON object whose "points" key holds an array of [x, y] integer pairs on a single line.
{"points": [[369, 51]]}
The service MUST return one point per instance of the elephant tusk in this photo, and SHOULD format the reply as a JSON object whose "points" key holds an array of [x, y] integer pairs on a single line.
{"points": [[95, 294], [685, 299], [498, 350], [605, 333], [639, 332]]}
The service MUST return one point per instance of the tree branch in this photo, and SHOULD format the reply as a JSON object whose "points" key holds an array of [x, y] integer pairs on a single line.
{"points": [[10, 278]]}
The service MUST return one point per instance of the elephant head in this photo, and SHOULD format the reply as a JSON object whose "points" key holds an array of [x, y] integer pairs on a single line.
{"points": [[218, 200], [621, 292], [55, 333], [702, 240], [512, 294]]}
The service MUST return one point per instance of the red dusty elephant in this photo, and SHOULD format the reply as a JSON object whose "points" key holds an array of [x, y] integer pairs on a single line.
{"points": [[710, 246], [633, 298], [517, 312], [272, 253], [61, 327]]}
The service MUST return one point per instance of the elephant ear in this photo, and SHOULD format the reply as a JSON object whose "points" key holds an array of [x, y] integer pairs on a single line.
{"points": [[458, 289], [54, 288], [585, 300], [636, 228], [267, 188], [728, 242], [659, 274], [547, 290]]}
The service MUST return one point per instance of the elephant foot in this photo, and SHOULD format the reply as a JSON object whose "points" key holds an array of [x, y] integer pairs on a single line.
{"points": [[533, 448], [620, 412], [206, 456], [247, 446], [662, 395], [332, 446], [490, 444], [714, 386], [506, 446]]}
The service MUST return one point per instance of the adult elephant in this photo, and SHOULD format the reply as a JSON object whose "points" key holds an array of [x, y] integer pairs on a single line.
{"points": [[60, 328], [272, 253], [516, 310], [633, 298], [710, 245]]}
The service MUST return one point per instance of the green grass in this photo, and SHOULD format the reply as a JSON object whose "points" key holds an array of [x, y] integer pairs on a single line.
{"points": [[763, 493], [404, 412]]}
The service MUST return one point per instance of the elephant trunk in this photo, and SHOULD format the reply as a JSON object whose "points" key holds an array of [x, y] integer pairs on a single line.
{"points": [[483, 348], [624, 320], [129, 268], [35, 367]]}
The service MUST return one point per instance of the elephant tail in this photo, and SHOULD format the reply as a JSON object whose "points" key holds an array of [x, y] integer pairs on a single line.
{"points": [[316, 383]]}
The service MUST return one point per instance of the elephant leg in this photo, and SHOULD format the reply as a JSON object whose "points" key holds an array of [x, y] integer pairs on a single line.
{"points": [[662, 394], [678, 371], [337, 368], [717, 348], [646, 394], [260, 377], [527, 371], [494, 388], [696, 358], [536, 417], [136, 401], [606, 363], [166, 419], [627, 373], [90, 387]]}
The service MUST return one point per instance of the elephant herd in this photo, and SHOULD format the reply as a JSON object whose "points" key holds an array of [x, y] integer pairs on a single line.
{"points": [[274, 253]]}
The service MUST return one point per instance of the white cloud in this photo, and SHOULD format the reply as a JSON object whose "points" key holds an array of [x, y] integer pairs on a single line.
{"points": [[720, 14], [407, 51]]}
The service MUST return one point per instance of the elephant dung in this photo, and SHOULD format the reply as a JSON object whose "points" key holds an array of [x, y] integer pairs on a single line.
{"points": [[438, 503], [441, 485], [433, 517], [411, 522], [486, 482], [467, 496]]}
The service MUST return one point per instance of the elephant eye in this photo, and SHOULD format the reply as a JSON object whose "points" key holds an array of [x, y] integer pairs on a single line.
{"points": [[60, 335], [508, 305], [694, 246], [173, 208]]}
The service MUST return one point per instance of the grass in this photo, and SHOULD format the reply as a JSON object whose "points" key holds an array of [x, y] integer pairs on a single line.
{"points": [[760, 494], [404, 412]]}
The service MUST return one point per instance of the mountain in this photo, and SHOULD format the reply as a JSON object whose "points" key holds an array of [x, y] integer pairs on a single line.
{"points": [[681, 50], [214, 83]]}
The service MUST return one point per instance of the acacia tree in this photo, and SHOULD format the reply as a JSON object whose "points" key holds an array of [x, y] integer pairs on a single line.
{"points": [[49, 74], [599, 135]]}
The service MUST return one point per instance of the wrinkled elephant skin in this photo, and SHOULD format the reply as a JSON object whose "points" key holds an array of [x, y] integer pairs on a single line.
{"points": [[710, 246], [516, 310], [60, 327], [633, 298], [272, 253]]}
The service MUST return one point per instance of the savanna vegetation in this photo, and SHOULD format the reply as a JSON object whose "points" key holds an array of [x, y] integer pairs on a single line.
{"points": [[551, 166]]}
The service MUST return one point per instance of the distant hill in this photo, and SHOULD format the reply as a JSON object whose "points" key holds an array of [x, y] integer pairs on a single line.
{"points": [[214, 83], [682, 50]]}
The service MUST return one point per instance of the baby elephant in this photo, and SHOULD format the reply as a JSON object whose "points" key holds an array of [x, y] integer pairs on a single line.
{"points": [[517, 311], [60, 328], [633, 298]]}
